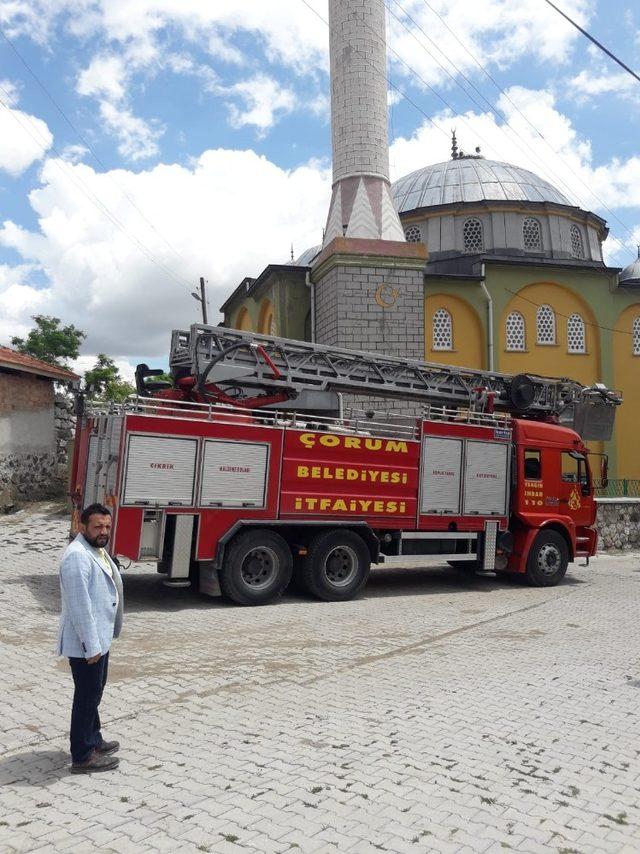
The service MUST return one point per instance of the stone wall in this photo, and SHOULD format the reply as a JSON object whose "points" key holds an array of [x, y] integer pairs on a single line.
{"points": [[65, 424], [27, 438], [619, 523]]}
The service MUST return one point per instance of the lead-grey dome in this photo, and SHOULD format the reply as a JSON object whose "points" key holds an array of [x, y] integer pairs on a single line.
{"points": [[471, 179], [631, 274]]}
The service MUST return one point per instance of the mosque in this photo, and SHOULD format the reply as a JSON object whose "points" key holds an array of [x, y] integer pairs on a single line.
{"points": [[481, 264]]}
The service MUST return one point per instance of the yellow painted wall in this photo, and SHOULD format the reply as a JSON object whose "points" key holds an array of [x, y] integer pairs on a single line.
{"points": [[243, 321], [626, 372], [266, 323], [468, 338], [552, 360]]}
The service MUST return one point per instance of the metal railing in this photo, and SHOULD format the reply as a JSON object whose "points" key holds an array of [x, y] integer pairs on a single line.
{"points": [[618, 488]]}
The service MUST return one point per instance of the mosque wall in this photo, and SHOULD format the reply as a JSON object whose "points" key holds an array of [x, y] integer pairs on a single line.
{"points": [[626, 366]]}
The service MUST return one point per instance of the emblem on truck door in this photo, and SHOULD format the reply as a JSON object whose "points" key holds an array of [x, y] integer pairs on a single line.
{"points": [[574, 500]]}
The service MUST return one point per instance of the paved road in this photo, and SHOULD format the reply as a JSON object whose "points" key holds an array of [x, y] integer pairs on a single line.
{"points": [[436, 713]]}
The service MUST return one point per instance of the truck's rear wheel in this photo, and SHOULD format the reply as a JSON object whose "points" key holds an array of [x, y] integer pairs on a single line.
{"points": [[336, 566], [548, 559], [257, 568]]}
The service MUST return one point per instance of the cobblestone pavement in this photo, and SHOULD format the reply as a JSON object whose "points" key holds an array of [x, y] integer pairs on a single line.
{"points": [[436, 713]]}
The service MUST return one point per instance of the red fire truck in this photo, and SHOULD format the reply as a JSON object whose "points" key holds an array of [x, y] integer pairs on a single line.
{"points": [[237, 475]]}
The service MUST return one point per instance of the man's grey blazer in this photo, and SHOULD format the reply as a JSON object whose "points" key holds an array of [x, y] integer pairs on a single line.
{"points": [[90, 617]]}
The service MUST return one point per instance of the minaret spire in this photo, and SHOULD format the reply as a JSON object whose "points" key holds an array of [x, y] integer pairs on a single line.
{"points": [[454, 145]]}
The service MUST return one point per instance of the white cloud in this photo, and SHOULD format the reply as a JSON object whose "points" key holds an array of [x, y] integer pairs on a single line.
{"points": [[227, 216], [137, 139], [594, 84], [264, 99], [24, 138], [106, 76]]}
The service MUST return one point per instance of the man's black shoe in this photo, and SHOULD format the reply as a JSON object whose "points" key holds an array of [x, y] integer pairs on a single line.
{"points": [[108, 747], [95, 762]]}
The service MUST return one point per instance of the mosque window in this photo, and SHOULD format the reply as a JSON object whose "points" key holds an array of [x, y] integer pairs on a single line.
{"points": [[636, 336], [473, 235], [412, 234], [532, 235], [577, 246], [576, 342], [545, 325], [515, 331], [442, 330]]}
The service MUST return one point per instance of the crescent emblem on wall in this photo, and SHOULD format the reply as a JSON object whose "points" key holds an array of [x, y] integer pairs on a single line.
{"points": [[386, 296]]}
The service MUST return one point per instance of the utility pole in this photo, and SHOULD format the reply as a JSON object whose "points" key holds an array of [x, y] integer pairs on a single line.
{"points": [[202, 299]]}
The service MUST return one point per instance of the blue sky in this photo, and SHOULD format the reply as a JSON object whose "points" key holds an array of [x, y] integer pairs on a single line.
{"points": [[195, 139]]}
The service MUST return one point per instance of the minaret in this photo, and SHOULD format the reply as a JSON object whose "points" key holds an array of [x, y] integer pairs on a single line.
{"points": [[361, 204], [368, 282]]}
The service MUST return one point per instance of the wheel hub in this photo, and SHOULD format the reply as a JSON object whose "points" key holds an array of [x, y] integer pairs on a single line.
{"points": [[549, 559], [259, 567], [341, 565]]}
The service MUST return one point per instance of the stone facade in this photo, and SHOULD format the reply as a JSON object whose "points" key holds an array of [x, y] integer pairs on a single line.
{"points": [[619, 523], [35, 429]]}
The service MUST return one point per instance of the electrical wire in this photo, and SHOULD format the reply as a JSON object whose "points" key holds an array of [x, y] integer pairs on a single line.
{"points": [[84, 189], [381, 74], [594, 41], [536, 130], [85, 143]]}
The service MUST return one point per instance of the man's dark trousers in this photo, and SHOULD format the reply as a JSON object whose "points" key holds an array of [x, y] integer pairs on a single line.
{"points": [[89, 681]]}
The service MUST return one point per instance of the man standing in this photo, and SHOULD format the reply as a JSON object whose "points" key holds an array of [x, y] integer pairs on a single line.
{"points": [[92, 609]]}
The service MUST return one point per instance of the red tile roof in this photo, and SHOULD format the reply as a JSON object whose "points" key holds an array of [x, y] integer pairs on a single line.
{"points": [[21, 362]]}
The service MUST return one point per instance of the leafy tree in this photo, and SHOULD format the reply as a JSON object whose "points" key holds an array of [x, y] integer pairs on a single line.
{"points": [[51, 342], [104, 382]]}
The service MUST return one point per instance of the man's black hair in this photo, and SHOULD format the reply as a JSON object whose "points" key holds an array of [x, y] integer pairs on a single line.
{"points": [[94, 510]]}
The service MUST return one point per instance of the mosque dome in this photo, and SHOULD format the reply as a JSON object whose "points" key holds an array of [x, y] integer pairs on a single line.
{"points": [[471, 179], [631, 274]]}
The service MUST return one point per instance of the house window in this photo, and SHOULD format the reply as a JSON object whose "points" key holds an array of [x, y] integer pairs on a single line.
{"points": [[442, 330], [636, 336], [576, 342], [545, 325], [577, 246], [515, 331], [473, 235], [532, 235], [412, 234]]}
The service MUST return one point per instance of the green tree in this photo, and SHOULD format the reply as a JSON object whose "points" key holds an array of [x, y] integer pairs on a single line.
{"points": [[104, 382], [51, 342]]}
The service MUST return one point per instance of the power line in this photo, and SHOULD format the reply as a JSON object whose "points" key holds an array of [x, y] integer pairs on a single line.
{"points": [[84, 141], [594, 40], [85, 190], [384, 75], [567, 317], [536, 130]]}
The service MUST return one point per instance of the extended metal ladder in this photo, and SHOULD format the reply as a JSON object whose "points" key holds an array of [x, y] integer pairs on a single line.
{"points": [[248, 363]]}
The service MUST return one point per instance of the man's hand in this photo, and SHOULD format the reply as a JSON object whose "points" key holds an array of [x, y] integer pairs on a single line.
{"points": [[94, 659]]}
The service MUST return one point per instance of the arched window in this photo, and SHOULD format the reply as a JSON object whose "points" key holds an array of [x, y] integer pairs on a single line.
{"points": [[545, 325], [267, 322], [576, 342], [473, 235], [636, 336], [515, 331], [577, 245], [412, 234], [531, 235], [442, 330]]}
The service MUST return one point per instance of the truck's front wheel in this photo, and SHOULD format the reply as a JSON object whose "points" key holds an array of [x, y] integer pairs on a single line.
{"points": [[257, 568], [336, 567], [548, 559]]}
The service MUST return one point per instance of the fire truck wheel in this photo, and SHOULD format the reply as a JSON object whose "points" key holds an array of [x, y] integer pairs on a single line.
{"points": [[257, 568], [548, 559], [336, 567]]}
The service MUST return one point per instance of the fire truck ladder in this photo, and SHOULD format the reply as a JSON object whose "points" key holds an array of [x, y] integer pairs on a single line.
{"points": [[246, 368]]}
